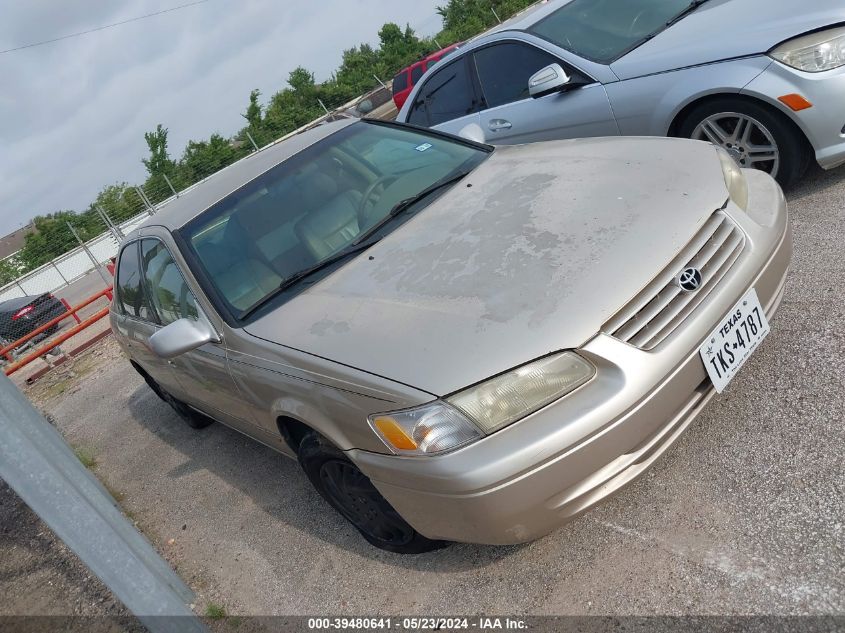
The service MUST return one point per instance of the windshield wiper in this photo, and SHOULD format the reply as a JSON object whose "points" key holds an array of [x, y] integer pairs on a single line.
{"points": [[407, 203], [691, 7], [298, 276]]}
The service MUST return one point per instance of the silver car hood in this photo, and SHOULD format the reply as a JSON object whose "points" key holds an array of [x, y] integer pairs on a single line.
{"points": [[725, 29], [549, 242]]}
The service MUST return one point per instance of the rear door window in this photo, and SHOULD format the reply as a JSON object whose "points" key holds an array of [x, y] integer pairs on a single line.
{"points": [[130, 294], [169, 294], [400, 82], [416, 74], [504, 70], [448, 94]]}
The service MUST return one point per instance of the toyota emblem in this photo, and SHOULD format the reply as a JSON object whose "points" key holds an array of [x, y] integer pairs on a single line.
{"points": [[689, 280]]}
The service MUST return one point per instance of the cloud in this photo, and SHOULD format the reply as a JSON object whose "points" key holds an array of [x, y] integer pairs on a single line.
{"points": [[73, 113]]}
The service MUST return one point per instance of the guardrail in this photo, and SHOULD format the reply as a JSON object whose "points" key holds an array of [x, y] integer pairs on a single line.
{"points": [[45, 473]]}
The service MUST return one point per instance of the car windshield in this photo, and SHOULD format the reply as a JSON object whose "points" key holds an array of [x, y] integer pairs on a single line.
{"points": [[605, 30], [314, 205]]}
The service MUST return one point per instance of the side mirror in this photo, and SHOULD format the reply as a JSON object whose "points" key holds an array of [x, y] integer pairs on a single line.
{"points": [[552, 78], [180, 337], [473, 132]]}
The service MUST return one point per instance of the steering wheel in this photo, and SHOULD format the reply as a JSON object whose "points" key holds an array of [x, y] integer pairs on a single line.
{"points": [[363, 215]]}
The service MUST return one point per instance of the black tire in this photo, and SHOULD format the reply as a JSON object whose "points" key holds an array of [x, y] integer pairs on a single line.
{"points": [[353, 495], [192, 418], [793, 148]]}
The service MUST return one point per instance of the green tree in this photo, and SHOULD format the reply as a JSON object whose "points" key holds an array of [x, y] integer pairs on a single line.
{"points": [[463, 19], [159, 165], [399, 48], [295, 106], [52, 237], [118, 201], [203, 158], [9, 270], [159, 162], [253, 110]]}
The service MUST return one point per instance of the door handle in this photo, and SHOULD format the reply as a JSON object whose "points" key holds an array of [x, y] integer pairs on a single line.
{"points": [[499, 124]]}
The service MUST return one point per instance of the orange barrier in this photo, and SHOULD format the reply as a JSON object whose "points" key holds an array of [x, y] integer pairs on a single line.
{"points": [[68, 308], [6, 351], [38, 353]]}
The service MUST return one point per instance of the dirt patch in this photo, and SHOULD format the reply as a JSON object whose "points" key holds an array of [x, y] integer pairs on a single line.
{"points": [[39, 575], [68, 377]]}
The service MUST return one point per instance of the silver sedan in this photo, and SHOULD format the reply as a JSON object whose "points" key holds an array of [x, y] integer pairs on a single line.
{"points": [[761, 78]]}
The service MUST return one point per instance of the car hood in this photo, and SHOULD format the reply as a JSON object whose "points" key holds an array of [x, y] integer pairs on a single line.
{"points": [[530, 254], [725, 29]]}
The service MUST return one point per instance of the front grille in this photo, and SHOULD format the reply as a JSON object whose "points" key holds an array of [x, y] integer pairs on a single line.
{"points": [[651, 316]]}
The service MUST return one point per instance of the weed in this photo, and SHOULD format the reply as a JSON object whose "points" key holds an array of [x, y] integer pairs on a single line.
{"points": [[86, 456], [215, 611]]}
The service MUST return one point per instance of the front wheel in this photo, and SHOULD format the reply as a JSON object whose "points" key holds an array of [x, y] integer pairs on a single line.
{"points": [[353, 495], [757, 137]]}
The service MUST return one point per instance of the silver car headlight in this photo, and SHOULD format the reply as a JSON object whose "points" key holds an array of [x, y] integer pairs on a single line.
{"points": [[470, 414], [814, 53], [734, 179]]}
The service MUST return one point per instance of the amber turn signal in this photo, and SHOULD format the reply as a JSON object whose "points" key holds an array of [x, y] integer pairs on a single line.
{"points": [[395, 434], [795, 101]]}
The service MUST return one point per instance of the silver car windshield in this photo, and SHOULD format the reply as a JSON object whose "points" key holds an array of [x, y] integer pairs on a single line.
{"points": [[605, 30], [316, 205]]}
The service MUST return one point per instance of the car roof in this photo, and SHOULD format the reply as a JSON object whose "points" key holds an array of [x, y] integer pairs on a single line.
{"points": [[16, 302], [199, 197]]}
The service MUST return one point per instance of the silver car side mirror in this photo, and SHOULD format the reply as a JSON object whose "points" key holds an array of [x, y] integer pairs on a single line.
{"points": [[547, 80], [182, 336]]}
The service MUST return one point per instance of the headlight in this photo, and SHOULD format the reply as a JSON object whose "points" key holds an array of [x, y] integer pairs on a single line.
{"points": [[432, 428], [734, 179], [489, 406], [512, 396], [814, 53]]}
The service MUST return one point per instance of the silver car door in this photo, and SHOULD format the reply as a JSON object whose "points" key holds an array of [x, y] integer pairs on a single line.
{"points": [[203, 373], [510, 116], [448, 99]]}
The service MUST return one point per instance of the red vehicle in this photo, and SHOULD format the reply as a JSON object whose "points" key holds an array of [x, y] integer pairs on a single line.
{"points": [[406, 78]]}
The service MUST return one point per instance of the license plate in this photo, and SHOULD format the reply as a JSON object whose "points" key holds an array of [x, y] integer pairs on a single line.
{"points": [[732, 343]]}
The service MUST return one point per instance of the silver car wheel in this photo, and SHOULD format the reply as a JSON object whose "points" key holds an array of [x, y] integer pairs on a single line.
{"points": [[744, 137]]}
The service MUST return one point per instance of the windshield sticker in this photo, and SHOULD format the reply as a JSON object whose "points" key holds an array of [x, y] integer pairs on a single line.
{"points": [[423, 147]]}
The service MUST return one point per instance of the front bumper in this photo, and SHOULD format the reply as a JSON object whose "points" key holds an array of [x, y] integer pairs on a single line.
{"points": [[527, 479], [824, 123]]}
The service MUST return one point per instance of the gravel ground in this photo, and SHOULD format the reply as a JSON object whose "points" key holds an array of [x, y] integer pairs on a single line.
{"points": [[743, 516]]}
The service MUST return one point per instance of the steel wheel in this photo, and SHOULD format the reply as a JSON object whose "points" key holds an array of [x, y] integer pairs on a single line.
{"points": [[353, 495], [361, 504], [744, 137]]}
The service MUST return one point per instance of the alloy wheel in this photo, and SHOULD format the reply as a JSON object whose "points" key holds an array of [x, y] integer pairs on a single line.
{"points": [[746, 139]]}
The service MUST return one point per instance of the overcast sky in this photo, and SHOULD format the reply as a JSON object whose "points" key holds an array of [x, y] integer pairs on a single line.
{"points": [[73, 113]]}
